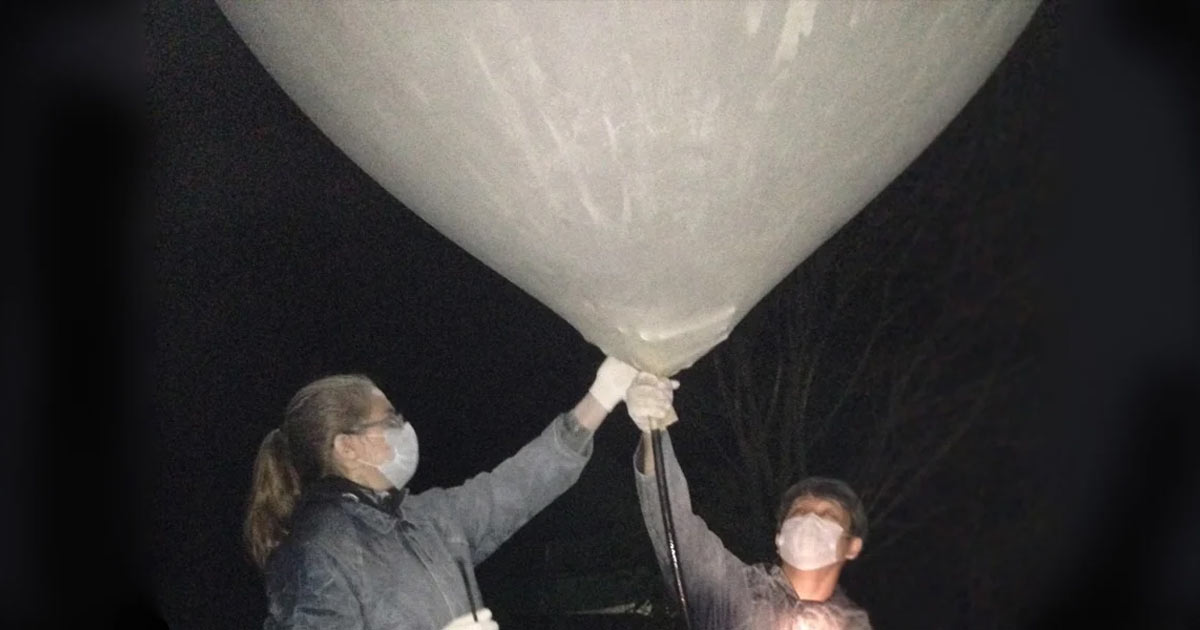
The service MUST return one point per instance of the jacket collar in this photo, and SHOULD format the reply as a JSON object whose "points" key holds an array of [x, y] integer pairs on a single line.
{"points": [[380, 511], [838, 596]]}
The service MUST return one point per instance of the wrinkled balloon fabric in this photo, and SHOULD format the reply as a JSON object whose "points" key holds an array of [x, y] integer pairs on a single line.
{"points": [[647, 170], [723, 592]]}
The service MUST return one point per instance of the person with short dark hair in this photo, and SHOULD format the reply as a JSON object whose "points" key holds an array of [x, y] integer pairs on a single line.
{"points": [[821, 524]]}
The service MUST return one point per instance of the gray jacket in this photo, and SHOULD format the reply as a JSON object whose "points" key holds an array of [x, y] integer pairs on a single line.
{"points": [[723, 592], [351, 562]]}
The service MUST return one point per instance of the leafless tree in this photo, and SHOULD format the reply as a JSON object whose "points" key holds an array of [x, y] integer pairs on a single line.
{"points": [[874, 361]]}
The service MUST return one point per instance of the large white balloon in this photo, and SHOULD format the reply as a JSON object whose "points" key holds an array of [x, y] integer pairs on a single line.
{"points": [[648, 170]]}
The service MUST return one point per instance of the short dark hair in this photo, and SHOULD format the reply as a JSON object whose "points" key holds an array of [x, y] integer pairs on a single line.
{"points": [[829, 489]]}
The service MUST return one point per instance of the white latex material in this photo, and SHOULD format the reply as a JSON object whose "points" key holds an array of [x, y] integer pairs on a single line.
{"points": [[650, 169], [612, 380], [649, 402], [480, 620]]}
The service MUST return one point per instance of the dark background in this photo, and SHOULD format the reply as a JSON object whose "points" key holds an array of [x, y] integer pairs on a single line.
{"points": [[185, 250]]}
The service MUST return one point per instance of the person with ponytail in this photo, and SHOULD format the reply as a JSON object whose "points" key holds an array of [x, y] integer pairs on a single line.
{"points": [[342, 542]]}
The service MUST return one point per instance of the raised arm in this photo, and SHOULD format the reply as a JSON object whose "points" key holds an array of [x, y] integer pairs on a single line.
{"points": [[491, 506], [715, 579]]}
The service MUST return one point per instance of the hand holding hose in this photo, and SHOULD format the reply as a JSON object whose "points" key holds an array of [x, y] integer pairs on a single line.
{"points": [[649, 402], [478, 620]]}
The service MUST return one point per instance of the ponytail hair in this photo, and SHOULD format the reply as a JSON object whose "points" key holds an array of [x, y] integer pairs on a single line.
{"points": [[273, 493], [299, 452]]}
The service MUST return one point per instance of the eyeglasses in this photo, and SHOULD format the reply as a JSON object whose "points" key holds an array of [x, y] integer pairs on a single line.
{"points": [[393, 421]]}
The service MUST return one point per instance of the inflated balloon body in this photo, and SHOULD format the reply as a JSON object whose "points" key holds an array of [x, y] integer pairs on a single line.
{"points": [[648, 170]]}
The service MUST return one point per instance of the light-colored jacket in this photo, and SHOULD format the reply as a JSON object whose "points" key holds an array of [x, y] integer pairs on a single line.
{"points": [[349, 564], [723, 592]]}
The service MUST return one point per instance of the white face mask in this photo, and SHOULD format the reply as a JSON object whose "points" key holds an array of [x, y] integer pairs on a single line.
{"points": [[808, 541], [405, 453]]}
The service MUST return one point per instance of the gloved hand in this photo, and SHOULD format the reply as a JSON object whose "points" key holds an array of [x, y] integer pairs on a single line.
{"points": [[649, 401], [612, 379], [465, 622]]}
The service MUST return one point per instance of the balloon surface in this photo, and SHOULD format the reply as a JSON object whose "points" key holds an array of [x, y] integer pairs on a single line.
{"points": [[648, 170]]}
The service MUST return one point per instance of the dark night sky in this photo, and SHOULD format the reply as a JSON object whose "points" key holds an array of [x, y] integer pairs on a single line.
{"points": [[197, 250]]}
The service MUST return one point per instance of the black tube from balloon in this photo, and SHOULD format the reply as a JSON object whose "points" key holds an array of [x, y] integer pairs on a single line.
{"points": [[462, 570], [664, 501]]}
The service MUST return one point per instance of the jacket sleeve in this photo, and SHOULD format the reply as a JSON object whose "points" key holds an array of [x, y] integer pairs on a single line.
{"points": [[491, 506], [309, 591], [714, 579]]}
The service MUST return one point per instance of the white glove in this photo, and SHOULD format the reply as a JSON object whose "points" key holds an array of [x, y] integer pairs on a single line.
{"points": [[612, 379], [466, 622], [648, 401]]}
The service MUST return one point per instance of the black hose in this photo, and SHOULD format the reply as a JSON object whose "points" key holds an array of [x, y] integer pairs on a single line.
{"points": [[664, 502], [462, 570]]}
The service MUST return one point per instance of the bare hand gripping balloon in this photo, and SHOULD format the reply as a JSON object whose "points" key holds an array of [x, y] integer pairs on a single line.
{"points": [[648, 170]]}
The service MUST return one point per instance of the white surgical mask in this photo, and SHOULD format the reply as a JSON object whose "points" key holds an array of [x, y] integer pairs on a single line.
{"points": [[808, 541], [403, 464]]}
